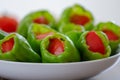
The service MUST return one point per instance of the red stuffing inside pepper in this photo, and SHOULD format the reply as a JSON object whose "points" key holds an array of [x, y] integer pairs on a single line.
{"points": [[95, 43], [8, 24], [7, 45], [79, 19], [43, 35], [41, 20], [111, 35], [56, 46]]}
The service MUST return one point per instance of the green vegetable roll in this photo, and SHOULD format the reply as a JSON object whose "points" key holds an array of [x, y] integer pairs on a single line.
{"points": [[94, 45], [58, 48], [78, 15], [113, 33], [14, 47]]}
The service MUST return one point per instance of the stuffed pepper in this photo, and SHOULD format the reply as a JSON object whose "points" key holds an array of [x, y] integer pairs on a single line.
{"points": [[58, 48], [77, 15], [36, 33], [14, 47], [39, 17], [113, 33], [72, 31], [94, 45]]}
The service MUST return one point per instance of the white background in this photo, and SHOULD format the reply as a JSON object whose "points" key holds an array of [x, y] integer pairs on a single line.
{"points": [[103, 10]]}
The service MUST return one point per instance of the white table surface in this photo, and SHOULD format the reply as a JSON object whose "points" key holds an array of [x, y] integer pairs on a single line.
{"points": [[111, 74]]}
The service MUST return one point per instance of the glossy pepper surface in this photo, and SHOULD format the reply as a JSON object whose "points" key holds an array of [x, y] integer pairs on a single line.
{"points": [[38, 32], [3, 34], [94, 45], [58, 48], [16, 48], [39, 17], [113, 33], [77, 15]]}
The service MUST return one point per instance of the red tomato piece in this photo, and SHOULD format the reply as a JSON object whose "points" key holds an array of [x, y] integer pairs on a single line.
{"points": [[7, 45], [56, 46], [79, 19], [41, 20], [8, 24], [95, 43], [111, 35]]}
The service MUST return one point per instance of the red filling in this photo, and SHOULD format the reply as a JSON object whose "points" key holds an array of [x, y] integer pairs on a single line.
{"points": [[41, 20], [111, 35], [79, 19], [56, 46], [95, 43], [42, 36], [8, 24], [7, 45]]}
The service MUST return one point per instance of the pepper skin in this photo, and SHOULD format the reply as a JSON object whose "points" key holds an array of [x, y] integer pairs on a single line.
{"points": [[58, 48], [36, 33], [72, 31], [77, 15], [94, 45], [39, 17], [113, 33], [3, 34], [15, 47]]}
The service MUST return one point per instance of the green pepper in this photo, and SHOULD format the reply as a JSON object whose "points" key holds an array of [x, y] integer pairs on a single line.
{"points": [[40, 17], [3, 34], [58, 48], [77, 15], [94, 45], [36, 33], [72, 31], [113, 33], [15, 47]]}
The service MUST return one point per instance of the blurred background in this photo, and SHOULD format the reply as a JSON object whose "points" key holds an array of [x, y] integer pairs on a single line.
{"points": [[103, 10]]}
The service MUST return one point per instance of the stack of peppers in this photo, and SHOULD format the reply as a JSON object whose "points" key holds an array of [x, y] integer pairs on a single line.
{"points": [[36, 33], [39, 17], [73, 39]]}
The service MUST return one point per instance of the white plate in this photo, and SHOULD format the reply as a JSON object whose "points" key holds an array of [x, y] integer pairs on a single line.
{"points": [[62, 71]]}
